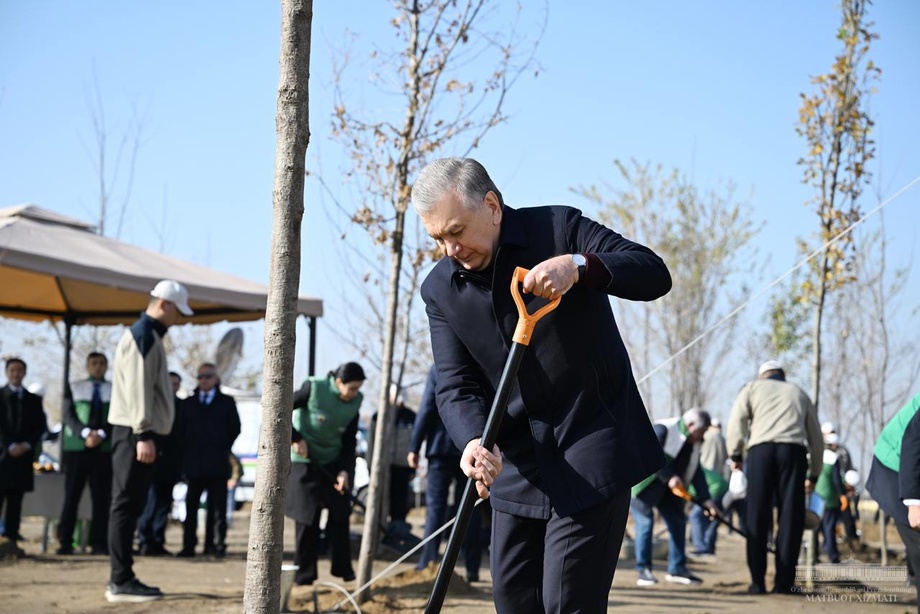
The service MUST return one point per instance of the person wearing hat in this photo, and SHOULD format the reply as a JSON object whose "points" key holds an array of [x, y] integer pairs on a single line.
{"points": [[323, 442], [849, 513], [770, 422], [830, 488], [141, 408]]}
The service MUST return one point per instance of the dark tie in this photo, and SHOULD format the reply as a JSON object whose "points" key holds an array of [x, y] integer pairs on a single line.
{"points": [[204, 398], [95, 407], [17, 411]]}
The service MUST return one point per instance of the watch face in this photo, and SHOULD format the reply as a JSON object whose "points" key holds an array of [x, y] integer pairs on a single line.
{"points": [[579, 259]]}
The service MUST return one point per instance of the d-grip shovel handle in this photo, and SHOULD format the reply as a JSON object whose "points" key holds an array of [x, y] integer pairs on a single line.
{"points": [[526, 321]]}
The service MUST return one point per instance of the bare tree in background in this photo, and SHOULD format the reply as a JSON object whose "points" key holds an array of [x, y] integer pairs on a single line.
{"points": [[266, 530], [704, 239], [836, 125], [450, 78]]}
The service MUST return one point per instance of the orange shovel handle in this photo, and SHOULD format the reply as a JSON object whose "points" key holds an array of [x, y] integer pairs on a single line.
{"points": [[526, 321]]}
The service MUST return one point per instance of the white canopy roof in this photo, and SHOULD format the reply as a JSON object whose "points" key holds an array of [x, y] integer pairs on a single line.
{"points": [[55, 267]]}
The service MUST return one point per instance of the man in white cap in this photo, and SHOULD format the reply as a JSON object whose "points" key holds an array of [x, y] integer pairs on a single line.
{"points": [[770, 422], [141, 407]]}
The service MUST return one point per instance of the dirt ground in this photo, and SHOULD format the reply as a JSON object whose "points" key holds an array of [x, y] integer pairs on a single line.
{"points": [[44, 583]]}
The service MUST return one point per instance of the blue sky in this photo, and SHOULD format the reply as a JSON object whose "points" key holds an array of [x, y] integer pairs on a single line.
{"points": [[711, 88]]}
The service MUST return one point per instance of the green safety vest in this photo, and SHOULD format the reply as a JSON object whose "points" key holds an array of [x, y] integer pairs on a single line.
{"points": [[82, 392], [323, 421], [825, 487], [888, 447]]}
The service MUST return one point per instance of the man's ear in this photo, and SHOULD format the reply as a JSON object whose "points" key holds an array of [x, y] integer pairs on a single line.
{"points": [[495, 207]]}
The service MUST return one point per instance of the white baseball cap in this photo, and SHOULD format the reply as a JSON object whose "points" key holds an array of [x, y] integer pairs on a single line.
{"points": [[175, 293], [770, 365], [828, 427]]}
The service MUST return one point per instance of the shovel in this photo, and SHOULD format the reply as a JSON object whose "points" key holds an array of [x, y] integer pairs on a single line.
{"points": [[521, 339], [684, 494]]}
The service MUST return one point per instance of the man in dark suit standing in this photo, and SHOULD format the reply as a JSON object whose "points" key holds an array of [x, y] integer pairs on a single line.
{"points": [[22, 424], [443, 469], [576, 436], [212, 424], [87, 453]]}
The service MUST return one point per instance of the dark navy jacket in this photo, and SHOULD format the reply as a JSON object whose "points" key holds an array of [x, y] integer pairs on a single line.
{"points": [[429, 427], [576, 432]]}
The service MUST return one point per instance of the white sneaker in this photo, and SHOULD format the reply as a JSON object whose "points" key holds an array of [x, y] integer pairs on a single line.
{"points": [[646, 578], [683, 577]]}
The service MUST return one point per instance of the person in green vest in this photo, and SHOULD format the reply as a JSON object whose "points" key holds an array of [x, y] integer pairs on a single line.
{"points": [[323, 441], [87, 455], [894, 480], [830, 488]]}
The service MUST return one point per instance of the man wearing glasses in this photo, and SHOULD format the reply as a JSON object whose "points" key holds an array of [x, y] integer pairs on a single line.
{"points": [[212, 424], [141, 407]]}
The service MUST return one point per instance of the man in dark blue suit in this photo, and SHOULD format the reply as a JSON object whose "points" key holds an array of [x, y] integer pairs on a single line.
{"points": [[576, 436], [443, 469]]}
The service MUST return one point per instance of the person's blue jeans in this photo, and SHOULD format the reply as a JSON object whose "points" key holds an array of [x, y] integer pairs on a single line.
{"points": [[441, 472], [703, 530], [671, 510]]}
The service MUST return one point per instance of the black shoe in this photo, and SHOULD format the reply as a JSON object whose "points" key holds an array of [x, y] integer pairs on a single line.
{"points": [[757, 589], [472, 577], [185, 553], [154, 550], [783, 590], [349, 577], [132, 591], [64, 551], [100, 551]]}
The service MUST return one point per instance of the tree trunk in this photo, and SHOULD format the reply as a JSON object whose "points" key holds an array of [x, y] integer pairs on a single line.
{"points": [[382, 436], [816, 333], [266, 531]]}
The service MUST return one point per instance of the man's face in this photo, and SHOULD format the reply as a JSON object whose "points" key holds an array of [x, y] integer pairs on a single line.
{"points": [[14, 373], [96, 366], [176, 383], [468, 236], [348, 391], [696, 433], [207, 379]]}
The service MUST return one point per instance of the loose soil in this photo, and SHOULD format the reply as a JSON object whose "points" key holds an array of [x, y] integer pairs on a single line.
{"points": [[42, 583]]}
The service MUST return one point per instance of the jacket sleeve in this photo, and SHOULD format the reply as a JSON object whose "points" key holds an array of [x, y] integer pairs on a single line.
{"points": [[233, 421], [427, 413], [38, 424], [460, 392], [815, 438], [70, 414], [909, 469], [636, 272], [739, 425], [300, 402], [346, 460], [667, 472]]}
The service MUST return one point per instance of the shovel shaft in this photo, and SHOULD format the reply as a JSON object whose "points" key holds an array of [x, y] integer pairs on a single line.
{"points": [[465, 511]]}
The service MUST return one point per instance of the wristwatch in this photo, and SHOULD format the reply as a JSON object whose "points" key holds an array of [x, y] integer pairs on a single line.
{"points": [[582, 263]]}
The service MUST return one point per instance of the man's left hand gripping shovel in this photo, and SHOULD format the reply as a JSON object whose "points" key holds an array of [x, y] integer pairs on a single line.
{"points": [[521, 339]]}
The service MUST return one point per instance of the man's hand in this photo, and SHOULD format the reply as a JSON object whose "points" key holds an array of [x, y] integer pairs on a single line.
{"points": [[412, 459], [300, 448], [341, 482], [93, 440], [711, 510], [20, 448], [736, 466], [231, 484], [551, 278], [675, 482], [809, 486], [146, 451], [481, 465], [913, 517]]}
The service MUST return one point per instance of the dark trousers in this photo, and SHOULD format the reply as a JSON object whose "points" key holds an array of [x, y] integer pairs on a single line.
{"points": [[441, 473], [911, 541], [215, 519], [775, 472], [399, 492], [151, 527], [130, 482], [557, 565], [12, 500], [307, 540], [829, 521], [95, 467]]}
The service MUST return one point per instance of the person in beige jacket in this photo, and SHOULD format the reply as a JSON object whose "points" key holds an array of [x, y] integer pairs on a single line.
{"points": [[141, 407], [774, 433]]}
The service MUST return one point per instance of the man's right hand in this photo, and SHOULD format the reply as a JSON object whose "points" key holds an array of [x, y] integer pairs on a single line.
{"points": [[146, 451], [300, 448], [93, 440], [913, 516], [412, 459], [481, 465]]}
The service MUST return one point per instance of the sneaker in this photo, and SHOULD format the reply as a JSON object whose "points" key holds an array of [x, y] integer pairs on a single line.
{"points": [[683, 577], [132, 591], [646, 578], [756, 589]]}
